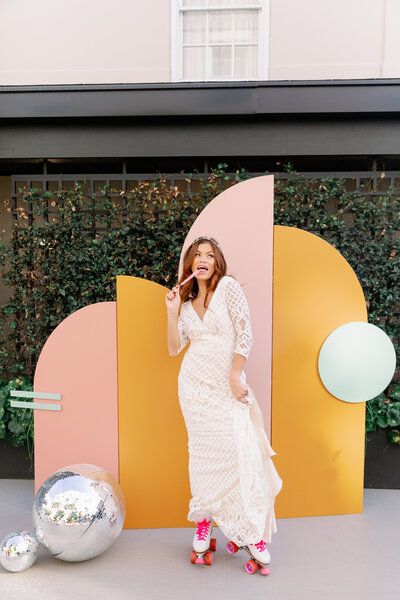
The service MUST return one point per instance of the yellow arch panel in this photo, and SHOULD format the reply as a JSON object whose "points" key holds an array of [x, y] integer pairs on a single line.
{"points": [[152, 435], [319, 439]]}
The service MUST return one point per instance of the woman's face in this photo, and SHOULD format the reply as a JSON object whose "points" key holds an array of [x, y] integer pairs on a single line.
{"points": [[204, 259]]}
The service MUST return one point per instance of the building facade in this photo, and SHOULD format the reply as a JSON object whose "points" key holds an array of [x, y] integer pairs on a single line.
{"points": [[53, 42], [120, 91]]}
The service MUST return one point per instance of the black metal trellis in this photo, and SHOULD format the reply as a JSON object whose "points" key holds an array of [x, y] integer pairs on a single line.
{"points": [[364, 182]]}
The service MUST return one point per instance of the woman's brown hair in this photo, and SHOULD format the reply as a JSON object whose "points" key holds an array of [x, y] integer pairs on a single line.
{"points": [[191, 288]]}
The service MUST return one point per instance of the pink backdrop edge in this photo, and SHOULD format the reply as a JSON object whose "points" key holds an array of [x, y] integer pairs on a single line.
{"points": [[85, 343], [245, 211]]}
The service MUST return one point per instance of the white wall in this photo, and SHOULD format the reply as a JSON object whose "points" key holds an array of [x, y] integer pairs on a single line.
{"points": [[334, 39], [391, 41], [84, 41], [129, 41]]}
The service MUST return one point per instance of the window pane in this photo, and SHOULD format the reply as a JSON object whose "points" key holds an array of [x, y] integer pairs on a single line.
{"points": [[220, 24], [194, 28], [193, 63], [194, 3], [246, 26], [252, 2], [230, 3], [246, 62], [221, 62], [227, 3]]}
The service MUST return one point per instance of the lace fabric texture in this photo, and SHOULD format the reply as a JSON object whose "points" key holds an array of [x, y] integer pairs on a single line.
{"points": [[232, 477]]}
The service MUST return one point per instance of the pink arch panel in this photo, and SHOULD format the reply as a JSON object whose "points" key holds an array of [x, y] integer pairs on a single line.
{"points": [[79, 360], [241, 219]]}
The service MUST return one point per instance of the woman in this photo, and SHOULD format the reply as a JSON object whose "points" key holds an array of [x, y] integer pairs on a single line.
{"points": [[232, 477]]}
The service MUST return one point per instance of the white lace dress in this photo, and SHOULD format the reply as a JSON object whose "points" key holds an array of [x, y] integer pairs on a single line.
{"points": [[232, 477]]}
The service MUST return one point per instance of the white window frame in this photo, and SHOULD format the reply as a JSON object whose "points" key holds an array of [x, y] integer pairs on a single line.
{"points": [[177, 11]]}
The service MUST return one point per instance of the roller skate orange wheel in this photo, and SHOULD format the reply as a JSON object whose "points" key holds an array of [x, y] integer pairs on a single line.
{"points": [[208, 558], [265, 571], [193, 557], [251, 566], [232, 547], [213, 544]]}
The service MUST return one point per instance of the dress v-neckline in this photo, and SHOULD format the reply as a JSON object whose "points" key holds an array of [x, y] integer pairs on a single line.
{"points": [[209, 304]]}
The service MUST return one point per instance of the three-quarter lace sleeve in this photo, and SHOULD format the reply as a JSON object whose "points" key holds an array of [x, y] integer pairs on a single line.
{"points": [[239, 311], [182, 336]]}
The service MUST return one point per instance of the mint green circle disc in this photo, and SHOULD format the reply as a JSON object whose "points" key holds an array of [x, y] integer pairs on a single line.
{"points": [[356, 362]]}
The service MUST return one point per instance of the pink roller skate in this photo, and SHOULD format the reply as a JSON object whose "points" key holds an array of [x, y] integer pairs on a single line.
{"points": [[203, 544], [260, 557]]}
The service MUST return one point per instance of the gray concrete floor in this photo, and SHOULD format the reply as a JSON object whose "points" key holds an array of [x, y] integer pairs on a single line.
{"points": [[314, 558]]}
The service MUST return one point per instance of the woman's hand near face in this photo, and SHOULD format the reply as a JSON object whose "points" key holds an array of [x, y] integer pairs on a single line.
{"points": [[173, 301], [238, 388]]}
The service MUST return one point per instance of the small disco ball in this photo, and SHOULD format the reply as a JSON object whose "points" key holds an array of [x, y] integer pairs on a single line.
{"points": [[78, 512], [18, 551]]}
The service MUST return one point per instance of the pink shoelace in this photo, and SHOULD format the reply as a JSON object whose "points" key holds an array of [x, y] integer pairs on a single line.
{"points": [[202, 530], [261, 546]]}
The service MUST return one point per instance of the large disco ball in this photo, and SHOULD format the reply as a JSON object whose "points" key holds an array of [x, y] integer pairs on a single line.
{"points": [[18, 551], [78, 512]]}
